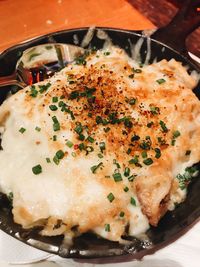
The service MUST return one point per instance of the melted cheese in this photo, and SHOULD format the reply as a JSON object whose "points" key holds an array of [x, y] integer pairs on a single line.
{"points": [[68, 197]]}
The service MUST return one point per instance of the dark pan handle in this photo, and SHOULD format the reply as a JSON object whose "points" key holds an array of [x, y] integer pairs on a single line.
{"points": [[185, 22]]}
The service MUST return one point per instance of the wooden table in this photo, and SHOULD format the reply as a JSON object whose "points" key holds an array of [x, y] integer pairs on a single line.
{"points": [[24, 19]]}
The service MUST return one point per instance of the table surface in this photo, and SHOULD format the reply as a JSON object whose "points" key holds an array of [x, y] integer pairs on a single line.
{"points": [[22, 19]]}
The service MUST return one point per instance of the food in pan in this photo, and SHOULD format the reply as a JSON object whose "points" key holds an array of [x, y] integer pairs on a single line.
{"points": [[105, 145]]}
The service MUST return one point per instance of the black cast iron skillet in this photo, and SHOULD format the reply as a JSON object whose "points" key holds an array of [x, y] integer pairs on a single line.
{"points": [[166, 43]]}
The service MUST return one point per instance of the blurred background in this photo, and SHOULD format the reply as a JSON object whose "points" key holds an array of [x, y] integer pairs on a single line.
{"points": [[24, 19]]}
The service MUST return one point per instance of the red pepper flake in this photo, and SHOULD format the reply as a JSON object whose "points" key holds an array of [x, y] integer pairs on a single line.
{"points": [[76, 146]]}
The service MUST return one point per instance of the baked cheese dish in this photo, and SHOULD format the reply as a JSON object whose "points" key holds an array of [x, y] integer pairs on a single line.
{"points": [[105, 145]]}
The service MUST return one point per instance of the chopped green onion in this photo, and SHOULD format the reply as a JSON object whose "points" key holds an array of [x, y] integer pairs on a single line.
{"points": [[127, 172], [149, 124], [22, 130], [144, 154], [107, 129], [81, 137], [34, 92], [188, 152], [106, 53], [132, 201], [44, 87], [100, 155], [132, 178], [107, 227], [90, 139], [95, 167], [48, 160], [117, 177], [110, 197], [134, 160], [135, 138], [78, 129], [54, 137], [121, 214], [102, 146], [53, 107], [160, 81], [60, 154], [54, 99], [37, 169], [131, 76], [173, 142], [158, 153], [176, 134], [56, 160], [69, 144], [154, 110], [137, 70], [163, 126], [38, 129], [126, 189], [148, 161], [56, 126]]}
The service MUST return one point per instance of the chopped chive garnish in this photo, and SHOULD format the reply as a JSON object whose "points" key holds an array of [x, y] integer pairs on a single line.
{"points": [[38, 129], [110, 197], [132, 201], [176, 134], [54, 99], [22, 130], [37, 169], [132, 101], [56, 160], [121, 214], [188, 152], [100, 155], [107, 129], [73, 154], [128, 151], [163, 126], [148, 161], [60, 154], [34, 92], [131, 76], [107, 227], [90, 139], [160, 81], [158, 153], [154, 110], [78, 129], [89, 149], [53, 107], [173, 142], [134, 160], [81, 137], [95, 167], [137, 70], [81, 146], [10, 197], [117, 177], [44, 87], [106, 53], [102, 146], [56, 124], [69, 144], [135, 138], [127, 172], [48, 160], [128, 123], [150, 124], [131, 178], [126, 189], [144, 154], [54, 137]]}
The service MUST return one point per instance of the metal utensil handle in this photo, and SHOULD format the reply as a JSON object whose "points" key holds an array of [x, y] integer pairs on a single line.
{"points": [[10, 80], [185, 21]]}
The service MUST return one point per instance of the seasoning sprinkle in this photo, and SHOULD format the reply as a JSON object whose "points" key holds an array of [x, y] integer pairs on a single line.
{"points": [[117, 177], [95, 167], [107, 227], [132, 201]]}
